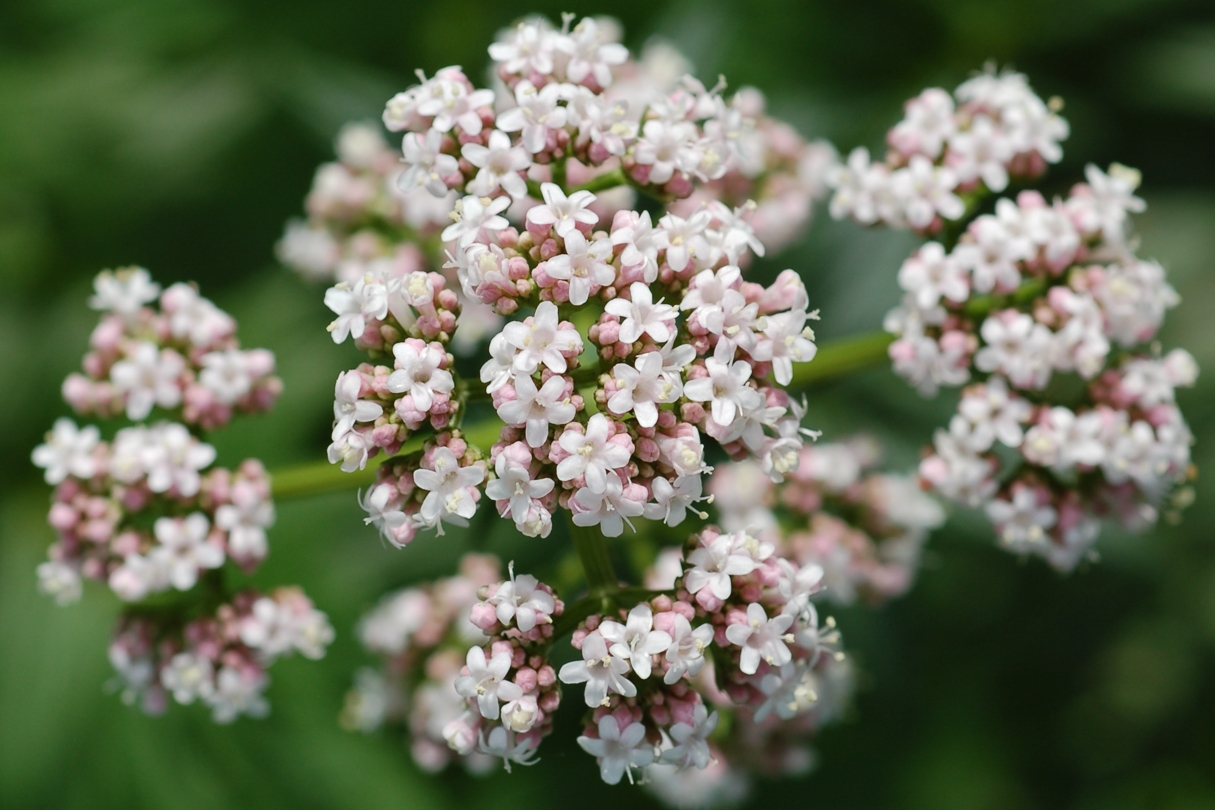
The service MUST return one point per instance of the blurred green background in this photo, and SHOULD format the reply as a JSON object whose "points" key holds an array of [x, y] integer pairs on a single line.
{"points": [[180, 134]]}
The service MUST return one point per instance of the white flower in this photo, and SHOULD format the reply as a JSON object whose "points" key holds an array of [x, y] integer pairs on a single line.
{"points": [[147, 377], [526, 48], [1022, 519], [563, 214], [348, 408], [691, 748], [788, 341], [537, 408], [351, 449], [1111, 196], [137, 577], [451, 104], [189, 676], [312, 251], [514, 484], [725, 387], [501, 743], [583, 264], [192, 317], [790, 691], [618, 751], [686, 655], [602, 673], [173, 458], [928, 123], [245, 520], [537, 112], [641, 243], [123, 292], [590, 55], [226, 375], [499, 164], [486, 682], [641, 316], [761, 639], [932, 274], [382, 508], [520, 599], [667, 147], [418, 374], [354, 304], [68, 451], [428, 166], [712, 566], [60, 581], [637, 640], [925, 191], [447, 488], [673, 500], [642, 387], [1064, 439], [472, 215], [1017, 347], [238, 691], [591, 454], [184, 549], [686, 242], [982, 152], [995, 413], [543, 341], [610, 510]]}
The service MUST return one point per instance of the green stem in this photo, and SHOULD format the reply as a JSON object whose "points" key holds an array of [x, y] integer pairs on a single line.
{"points": [[591, 546], [841, 357], [603, 182]]}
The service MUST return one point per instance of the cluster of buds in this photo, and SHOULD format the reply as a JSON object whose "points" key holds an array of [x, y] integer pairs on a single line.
{"points": [[605, 418], [465, 667], [219, 659], [864, 528], [731, 600], [182, 357], [148, 513], [948, 151], [1018, 298]]}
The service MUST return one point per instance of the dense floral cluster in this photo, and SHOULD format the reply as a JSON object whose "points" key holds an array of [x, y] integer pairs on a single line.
{"points": [[864, 528], [465, 667], [1024, 298], [948, 150], [148, 513], [183, 358], [219, 659], [606, 417], [731, 600]]}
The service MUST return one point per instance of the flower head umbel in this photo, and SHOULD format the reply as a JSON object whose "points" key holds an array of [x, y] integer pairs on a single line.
{"points": [[148, 513]]}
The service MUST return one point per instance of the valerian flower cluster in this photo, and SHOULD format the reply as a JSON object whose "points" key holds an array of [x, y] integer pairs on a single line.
{"points": [[150, 515], [552, 285], [632, 337], [1034, 291]]}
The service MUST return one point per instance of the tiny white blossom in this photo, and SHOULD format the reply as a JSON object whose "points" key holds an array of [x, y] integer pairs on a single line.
{"points": [[515, 485], [238, 691], [641, 316], [691, 748], [602, 672], [610, 510], [354, 304], [591, 454], [184, 549], [761, 639], [686, 655], [123, 292], [618, 751], [148, 376], [447, 488], [418, 374], [636, 640], [428, 165], [500, 164], [472, 215], [348, 408], [486, 682], [642, 387], [189, 676], [519, 599], [68, 450], [536, 409], [582, 265]]}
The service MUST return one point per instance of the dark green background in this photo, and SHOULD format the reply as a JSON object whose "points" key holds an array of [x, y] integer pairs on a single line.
{"points": [[180, 134]]}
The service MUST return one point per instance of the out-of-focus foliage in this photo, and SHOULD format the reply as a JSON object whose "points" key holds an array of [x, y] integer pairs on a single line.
{"points": [[180, 134]]}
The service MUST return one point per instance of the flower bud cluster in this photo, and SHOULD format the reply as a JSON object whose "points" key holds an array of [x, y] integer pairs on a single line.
{"points": [[357, 217], [218, 659], [681, 346], [509, 687], [862, 527], [148, 513], [777, 174], [1018, 298], [423, 491], [182, 357], [948, 150]]}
